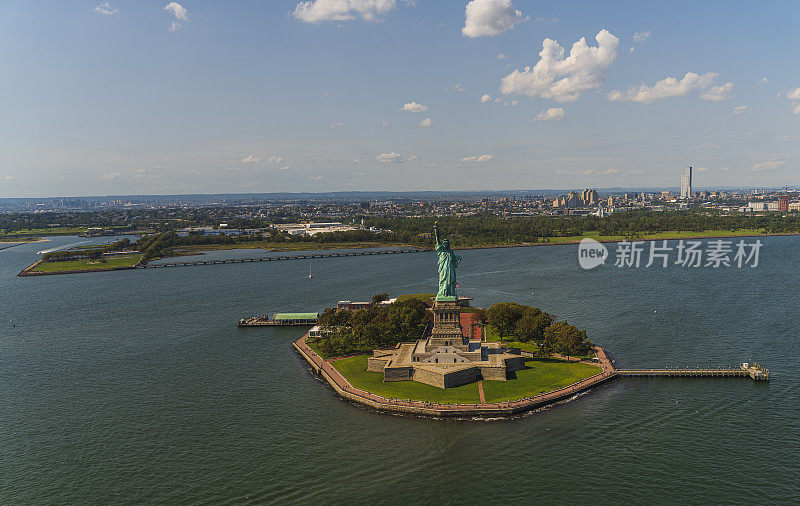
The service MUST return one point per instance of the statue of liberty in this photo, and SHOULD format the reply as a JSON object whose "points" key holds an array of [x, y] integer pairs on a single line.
{"points": [[448, 261]]}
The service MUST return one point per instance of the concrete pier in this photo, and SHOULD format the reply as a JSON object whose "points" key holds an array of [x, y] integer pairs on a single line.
{"points": [[756, 372]]}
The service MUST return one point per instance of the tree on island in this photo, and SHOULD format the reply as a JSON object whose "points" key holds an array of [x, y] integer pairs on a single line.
{"points": [[505, 316], [563, 338], [348, 332], [530, 324], [380, 297]]}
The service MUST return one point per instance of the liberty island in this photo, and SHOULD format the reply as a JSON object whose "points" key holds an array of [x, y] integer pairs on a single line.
{"points": [[455, 351]]}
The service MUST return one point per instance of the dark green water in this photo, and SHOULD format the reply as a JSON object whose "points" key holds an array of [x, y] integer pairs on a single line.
{"points": [[138, 387]]}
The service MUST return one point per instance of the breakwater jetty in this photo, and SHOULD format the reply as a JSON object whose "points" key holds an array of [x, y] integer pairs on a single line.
{"points": [[189, 263]]}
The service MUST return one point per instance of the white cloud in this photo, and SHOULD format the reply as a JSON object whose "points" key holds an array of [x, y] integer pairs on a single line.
{"points": [[768, 165], [147, 173], [478, 158], [10, 179], [106, 8], [597, 172], [336, 125], [763, 80], [542, 19], [564, 78], [110, 175], [250, 159], [317, 11], [275, 159], [501, 56], [490, 17], [389, 158], [179, 12], [551, 114], [641, 37], [285, 167], [385, 123], [739, 109], [718, 93], [486, 99], [427, 122], [414, 107], [459, 88], [793, 95], [701, 169], [671, 87]]}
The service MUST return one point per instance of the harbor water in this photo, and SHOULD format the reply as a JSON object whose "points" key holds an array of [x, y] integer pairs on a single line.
{"points": [[138, 387]]}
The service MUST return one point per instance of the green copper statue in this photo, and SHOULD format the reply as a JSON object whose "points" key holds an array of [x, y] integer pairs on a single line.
{"points": [[448, 261]]}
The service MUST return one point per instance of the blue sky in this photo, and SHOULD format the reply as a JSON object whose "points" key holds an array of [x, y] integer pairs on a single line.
{"points": [[134, 96]]}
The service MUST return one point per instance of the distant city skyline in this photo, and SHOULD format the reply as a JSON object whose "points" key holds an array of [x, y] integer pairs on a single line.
{"points": [[144, 97]]}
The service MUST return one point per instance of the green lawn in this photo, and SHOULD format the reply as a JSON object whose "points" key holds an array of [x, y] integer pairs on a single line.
{"points": [[491, 333], [44, 231], [121, 261], [355, 370], [522, 346], [541, 375]]}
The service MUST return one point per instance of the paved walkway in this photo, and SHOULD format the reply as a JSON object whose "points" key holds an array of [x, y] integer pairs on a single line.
{"points": [[345, 389], [480, 392]]}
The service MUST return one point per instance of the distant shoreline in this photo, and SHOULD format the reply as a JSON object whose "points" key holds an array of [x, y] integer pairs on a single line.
{"points": [[602, 239]]}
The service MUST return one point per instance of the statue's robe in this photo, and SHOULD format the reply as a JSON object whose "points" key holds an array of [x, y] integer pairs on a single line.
{"points": [[448, 261]]}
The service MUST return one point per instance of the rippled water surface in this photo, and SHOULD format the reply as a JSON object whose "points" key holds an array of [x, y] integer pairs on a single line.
{"points": [[137, 386]]}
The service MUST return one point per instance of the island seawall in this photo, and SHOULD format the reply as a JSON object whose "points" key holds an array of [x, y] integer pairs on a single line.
{"points": [[488, 410]]}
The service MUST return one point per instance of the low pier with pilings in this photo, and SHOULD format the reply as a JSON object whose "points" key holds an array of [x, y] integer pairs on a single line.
{"points": [[307, 256], [754, 371]]}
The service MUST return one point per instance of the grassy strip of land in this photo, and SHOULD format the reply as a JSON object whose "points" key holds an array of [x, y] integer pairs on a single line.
{"points": [[7, 236], [355, 370], [540, 375], [85, 264]]}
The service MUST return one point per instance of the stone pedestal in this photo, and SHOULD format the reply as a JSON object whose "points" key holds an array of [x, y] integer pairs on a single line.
{"points": [[447, 325]]}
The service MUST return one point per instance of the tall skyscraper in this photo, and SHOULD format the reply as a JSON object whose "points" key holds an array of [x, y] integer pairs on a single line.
{"points": [[686, 183]]}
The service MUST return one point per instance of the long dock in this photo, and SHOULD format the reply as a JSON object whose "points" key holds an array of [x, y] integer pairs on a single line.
{"points": [[189, 263], [756, 372]]}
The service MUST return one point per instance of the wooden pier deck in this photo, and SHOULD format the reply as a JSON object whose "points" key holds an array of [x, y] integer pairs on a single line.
{"points": [[756, 372], [189, 263]]}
